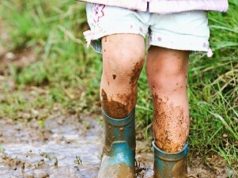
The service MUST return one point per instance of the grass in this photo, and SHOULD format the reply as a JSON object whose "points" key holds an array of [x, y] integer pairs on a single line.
{"points": [[66, 74]]}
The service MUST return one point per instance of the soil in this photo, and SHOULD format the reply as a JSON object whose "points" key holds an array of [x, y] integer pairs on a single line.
{"points": [[71, 147], [64, 147], [114, 109], [3, 37], [20, 58]]}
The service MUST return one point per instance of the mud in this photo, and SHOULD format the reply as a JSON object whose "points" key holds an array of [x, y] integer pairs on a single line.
{"points": [[136, 72], [71, 147], [114, 109], [117, 171], [180, 169], [65, 147], [170, 126], [109, 139]]}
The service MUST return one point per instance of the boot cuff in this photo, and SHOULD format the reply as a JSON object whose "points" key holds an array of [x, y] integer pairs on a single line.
{"points": [[119, 122], [170, 156]]}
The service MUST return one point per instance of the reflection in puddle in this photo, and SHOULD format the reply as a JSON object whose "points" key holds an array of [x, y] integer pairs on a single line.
{"points": [[70, 150]]}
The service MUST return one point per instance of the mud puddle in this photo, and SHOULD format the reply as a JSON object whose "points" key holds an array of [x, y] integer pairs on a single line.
{"points": [[67, 147], [64, 148]]}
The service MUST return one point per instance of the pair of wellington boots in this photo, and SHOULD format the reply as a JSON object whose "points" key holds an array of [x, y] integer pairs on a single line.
{"points": [[118, 160]]}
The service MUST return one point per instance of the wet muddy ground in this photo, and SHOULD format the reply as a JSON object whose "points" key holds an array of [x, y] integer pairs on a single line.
{"points": [[61, 148], [69, 147]]}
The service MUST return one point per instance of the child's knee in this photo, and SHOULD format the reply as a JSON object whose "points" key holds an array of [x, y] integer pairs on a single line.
{"points": [[167, 68], [123, 65], [169, 82]]}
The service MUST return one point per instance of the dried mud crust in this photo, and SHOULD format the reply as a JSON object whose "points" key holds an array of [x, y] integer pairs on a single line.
{"points": [[170, 126]]}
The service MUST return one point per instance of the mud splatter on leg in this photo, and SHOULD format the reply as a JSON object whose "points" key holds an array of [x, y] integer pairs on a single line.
{"points": [[170, 126], [136, 72], [167, 76], [121, 69], [114, 108]]}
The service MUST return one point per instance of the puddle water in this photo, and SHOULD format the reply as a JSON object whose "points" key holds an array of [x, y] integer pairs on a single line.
{"points": [[62, 147]]}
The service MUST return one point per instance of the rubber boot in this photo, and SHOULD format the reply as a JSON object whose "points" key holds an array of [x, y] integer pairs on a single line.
{"points": [[170, 165], [118, 158]]}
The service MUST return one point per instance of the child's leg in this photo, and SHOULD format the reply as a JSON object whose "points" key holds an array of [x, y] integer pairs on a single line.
{"points": [[167, 75], [167, 71], [119, 34], [123, 59]]}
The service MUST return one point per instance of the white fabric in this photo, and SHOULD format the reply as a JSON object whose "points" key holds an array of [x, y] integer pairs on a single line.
{"points": [[181, 31], [166, 6]]}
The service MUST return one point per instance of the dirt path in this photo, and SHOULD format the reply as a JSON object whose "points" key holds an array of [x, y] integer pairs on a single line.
{"points": [[65, 147]]}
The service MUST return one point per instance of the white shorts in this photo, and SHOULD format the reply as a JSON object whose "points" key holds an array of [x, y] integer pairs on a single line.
{"points": [[180, 31]]}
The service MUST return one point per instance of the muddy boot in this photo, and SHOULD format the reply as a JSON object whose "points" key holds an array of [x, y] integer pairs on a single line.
{"points": [[170, 165], [119, 150]]}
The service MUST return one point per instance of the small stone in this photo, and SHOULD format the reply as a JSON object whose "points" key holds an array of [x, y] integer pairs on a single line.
{"points": [[10, 56], [224, 135]]}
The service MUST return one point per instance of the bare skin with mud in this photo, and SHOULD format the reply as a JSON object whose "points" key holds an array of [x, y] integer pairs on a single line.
{"points": [[136, 72], [121, 70], [167, 76], [120, 104], [121, 107], [170, 126], [114, 109]]}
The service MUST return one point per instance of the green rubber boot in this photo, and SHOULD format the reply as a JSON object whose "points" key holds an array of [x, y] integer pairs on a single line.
{"points": [[170, 165], [118, 159]]}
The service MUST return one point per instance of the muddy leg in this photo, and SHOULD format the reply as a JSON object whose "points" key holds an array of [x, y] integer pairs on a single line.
{"points": [[167, 75], [122, 63]]}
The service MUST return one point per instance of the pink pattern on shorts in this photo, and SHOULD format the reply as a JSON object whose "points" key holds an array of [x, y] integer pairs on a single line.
{"points": [[98, 11]]}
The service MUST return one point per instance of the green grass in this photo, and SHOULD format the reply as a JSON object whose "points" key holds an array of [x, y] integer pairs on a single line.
{"points": [[66, 74]]}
